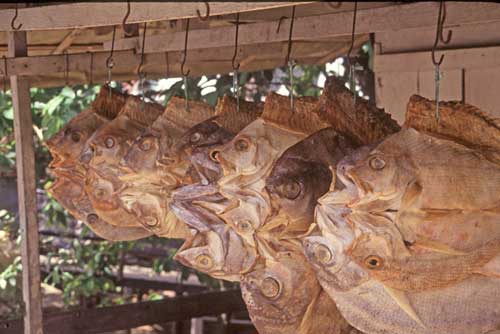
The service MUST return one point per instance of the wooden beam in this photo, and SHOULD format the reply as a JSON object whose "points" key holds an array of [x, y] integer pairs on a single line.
{"points": [[128, 60], [473, 58], [89, 14], [114, 318], [389, 18], [67, 41], [26, 185]]}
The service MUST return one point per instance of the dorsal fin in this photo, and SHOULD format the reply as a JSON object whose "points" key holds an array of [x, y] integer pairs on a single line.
{"points": [[302, 119], [144, 113], [458, 121], [176, 112], [108, 105], [362, 120], [229, 118]]}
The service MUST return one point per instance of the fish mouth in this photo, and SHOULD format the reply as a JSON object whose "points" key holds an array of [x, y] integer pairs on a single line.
{"points": [[363, 188], [193, 204]]}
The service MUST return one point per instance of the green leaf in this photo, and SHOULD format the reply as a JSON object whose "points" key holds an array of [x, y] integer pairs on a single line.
{"points": [[53, 104], [9, 114], [68, 92]]}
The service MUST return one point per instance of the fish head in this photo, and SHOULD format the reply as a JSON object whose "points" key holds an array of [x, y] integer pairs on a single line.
{"points": [[109, 144], [67, 190], [142, 154], [101, 191], [279, 293], [67, 144], [218, 253]]}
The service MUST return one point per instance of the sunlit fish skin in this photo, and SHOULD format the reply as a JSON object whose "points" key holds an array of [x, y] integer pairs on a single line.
{"points": [[284, 297]]}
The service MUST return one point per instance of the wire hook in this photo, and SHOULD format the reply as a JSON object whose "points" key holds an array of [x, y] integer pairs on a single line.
{"points": [[352, 68], [185, 51], [439, 35], [141, 74], [91, 70], [109, 61], [441, 25], [127, 34], [289, 51], [4, 74], [14, 19], [204, 18], [236, 67]]}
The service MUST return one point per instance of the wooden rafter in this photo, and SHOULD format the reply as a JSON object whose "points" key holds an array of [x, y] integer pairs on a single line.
{"points": [[66, 42], [388, 18], [89, 14]]}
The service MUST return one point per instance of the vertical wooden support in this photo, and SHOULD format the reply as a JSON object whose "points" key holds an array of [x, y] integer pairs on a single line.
{"points": [[26, 185]]}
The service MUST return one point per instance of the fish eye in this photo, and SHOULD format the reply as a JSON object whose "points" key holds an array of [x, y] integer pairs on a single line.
{"points": [[151, 221], [204, 261], [241, 145], [291, 189], [75, 136], [99, 193], [195, 137], [145, 145], [377, 163], [244, 225], [214, 154], [270, 287], [92, 218], [322, 253], [109, 142], [374, 262]]}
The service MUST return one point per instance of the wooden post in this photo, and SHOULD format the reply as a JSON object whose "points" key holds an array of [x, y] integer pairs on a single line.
{"points": [[26, 188]]}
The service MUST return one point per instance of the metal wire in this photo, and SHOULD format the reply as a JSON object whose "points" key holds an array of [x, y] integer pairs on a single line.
{"points": [[141, 74], [66, 68], [91, 71], [289, 51], [185, 74], [109, 61], [236, 67], [207, 14], [352, 69], [127, 34], [15, 18]]}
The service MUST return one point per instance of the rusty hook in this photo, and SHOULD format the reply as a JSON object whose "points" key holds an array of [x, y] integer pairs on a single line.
{"points": [[442, 6], [139, 68], [439, 33], [353, 32], [14, 20], [204, 18], [289, 51], [109, 60], [236, 67], [91, 70], [127, 34], [279, 23], [185, 74]]}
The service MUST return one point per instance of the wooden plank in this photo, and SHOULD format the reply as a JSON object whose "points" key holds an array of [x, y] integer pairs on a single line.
{"points": [[473, 58], [26, 185], [113, 318], [67, 41], [481, 89], [88, 14], [127, 61], [422, 39], [370, 20]]}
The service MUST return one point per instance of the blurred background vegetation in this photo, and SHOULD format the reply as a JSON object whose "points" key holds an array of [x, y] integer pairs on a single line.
{"points": [[76, 263]]}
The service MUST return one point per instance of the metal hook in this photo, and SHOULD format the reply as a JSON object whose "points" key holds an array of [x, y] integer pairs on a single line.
{"points": [[185, 51], [127, 34], [438, 36], [91, 71], [139, 69], [279, 23], [168, 65], [441, 24], [204, 18], [352, 84], [4, 74], [236, 67], [289, 51], [109, 61], [14, 20], [66, 67]]}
